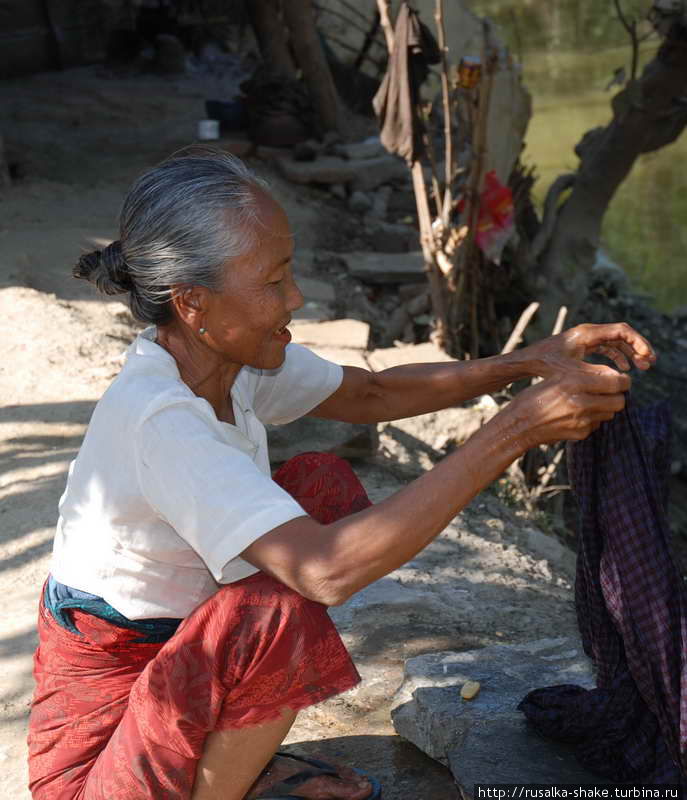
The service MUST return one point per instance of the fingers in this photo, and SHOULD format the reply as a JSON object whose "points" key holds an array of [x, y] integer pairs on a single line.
{"points": [[597, 379], [616, 355], [621, 336]]}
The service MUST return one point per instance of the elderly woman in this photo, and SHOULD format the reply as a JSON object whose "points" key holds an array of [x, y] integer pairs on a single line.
{"points": [[184, 624]]}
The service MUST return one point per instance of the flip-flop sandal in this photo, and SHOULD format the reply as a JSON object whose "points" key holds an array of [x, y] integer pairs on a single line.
{"points": [[317, 768]]}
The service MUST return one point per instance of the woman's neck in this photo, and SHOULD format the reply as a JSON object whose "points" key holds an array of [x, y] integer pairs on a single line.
{"points": [[201, 369]]}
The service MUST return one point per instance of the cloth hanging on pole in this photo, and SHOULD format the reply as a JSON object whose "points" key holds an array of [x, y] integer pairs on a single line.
{"points": [[396, 103], [631, 607]]}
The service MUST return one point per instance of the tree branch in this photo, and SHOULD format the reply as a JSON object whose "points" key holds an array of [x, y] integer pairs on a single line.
{"points": [[448, 112], [384, 6]]}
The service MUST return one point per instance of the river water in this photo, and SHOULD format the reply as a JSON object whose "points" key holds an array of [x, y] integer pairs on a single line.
{"points": [[569, 50]]}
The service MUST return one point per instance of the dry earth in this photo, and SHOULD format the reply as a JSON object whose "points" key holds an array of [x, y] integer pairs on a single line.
{"points": [[80, 138]]}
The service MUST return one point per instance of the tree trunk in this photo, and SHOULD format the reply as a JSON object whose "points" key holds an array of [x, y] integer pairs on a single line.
{"points": [[299, 17], [271, 34], [648, 114]]}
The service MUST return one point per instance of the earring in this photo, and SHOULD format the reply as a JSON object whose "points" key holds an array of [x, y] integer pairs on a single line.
{"points": [[203, 331]]}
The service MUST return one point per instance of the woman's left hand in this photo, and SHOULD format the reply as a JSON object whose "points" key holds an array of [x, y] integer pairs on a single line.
{"points": [[617, 341]]}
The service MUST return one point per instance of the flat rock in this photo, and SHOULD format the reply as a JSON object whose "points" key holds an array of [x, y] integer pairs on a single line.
{"points": [[370, 148], [312, 311], [486, 740], [425, 353], [348, 333], [389, 237], [318, 290], [362, 174], [310, 434], [342, 355], [385, 267]]}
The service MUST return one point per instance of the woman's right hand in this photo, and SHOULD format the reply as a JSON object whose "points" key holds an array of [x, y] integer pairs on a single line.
{"points": [[571, 406]]}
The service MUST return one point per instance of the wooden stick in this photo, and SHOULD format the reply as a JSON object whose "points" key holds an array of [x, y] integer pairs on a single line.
{"points": [[516, 337], [448, 111], [369, 40], [560, 320], [549, 472], [384, 6], [434, 275]]}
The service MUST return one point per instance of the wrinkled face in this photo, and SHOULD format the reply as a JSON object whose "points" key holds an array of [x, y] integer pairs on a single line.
{"points": [[248, 318]]}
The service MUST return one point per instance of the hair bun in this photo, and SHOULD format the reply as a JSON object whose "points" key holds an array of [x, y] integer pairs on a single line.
{"points": [[106, 269]]}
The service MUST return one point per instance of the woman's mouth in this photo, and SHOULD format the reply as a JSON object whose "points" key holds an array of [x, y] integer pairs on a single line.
{"points": [[283, 334]]}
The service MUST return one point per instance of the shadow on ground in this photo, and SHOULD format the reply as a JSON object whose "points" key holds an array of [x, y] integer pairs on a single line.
{"points": [[404, 772]]}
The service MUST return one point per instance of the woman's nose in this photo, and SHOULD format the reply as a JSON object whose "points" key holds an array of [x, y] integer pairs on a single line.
{"points": [[295, 297]]}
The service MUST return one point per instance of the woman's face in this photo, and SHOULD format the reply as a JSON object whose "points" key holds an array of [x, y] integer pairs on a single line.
{"points": [[247, 320]]}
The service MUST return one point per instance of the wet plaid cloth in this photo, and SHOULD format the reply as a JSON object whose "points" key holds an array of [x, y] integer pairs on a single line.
{"points": [[631, 607]]}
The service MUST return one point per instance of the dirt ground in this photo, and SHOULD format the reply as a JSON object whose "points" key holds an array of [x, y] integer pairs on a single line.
{"points": [[79, 139]]}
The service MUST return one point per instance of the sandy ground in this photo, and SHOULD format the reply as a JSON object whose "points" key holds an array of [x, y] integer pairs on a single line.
{"points": [[80, 139]]}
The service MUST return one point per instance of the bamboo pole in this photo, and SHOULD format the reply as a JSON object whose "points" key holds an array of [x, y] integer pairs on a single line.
{"points": [[516, 336], [434, 275], [384, 7], [448, 112]]}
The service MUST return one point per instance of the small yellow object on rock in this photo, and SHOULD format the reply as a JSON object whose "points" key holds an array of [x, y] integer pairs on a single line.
{"points": [[470, 690]]}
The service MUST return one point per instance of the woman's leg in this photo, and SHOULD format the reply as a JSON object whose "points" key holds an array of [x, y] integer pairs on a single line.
{"points": [[249, 652], [328, 489], [233, 759], [125, 721]]}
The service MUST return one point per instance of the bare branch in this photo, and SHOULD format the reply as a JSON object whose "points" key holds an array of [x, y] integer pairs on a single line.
{"points": [[516, 337], [540, 241], [384, 6], [448, 111], [631, 28], [623, 19], [560, 321], [434, 274]]}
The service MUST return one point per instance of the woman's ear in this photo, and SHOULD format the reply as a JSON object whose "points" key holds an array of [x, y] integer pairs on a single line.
{"points": [[191, 304]]}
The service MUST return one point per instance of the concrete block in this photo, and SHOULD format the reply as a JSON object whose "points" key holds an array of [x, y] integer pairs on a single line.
{"points": [[341, 355], [346, 333], [487, 740], [315, 289], [363, 174], [385, 267], [426, 353]]}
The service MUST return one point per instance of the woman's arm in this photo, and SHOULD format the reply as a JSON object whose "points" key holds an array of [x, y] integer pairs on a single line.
{"points": [[413, 389], [420, 388], [329, 563]]}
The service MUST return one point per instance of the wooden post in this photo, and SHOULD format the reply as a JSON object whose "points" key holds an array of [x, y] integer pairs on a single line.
{"points": [[383, 6], [272, 36], [299, 17]]}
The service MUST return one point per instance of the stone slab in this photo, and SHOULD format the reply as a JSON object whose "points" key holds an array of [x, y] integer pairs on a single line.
{"points": [[508, 750], [388, 237], [314, 289], [362, 174], [487, 740], [425, 353], [312, 312], [348, 333], [345, 356], [309, 434], [369, 148], [385, 267]]}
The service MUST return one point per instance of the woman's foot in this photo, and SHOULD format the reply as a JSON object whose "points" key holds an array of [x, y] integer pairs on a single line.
{"points": [[346, 785]]}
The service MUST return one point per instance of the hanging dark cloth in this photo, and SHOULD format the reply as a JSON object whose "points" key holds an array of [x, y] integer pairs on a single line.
{"points": [[631, 608], [396, 102]]}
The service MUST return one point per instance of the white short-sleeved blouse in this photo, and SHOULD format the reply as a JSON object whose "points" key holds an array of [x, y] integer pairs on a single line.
{"points": [[162, 496]]}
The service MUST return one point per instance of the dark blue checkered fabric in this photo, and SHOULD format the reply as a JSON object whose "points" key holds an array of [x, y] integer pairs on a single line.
{"points": [[631, 608]]}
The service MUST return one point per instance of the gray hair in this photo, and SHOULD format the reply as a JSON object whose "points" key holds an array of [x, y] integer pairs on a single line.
{"points": [[180, 222]]}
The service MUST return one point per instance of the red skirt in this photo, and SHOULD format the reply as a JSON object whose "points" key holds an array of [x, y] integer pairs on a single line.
{"points": [[113, 719]]}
